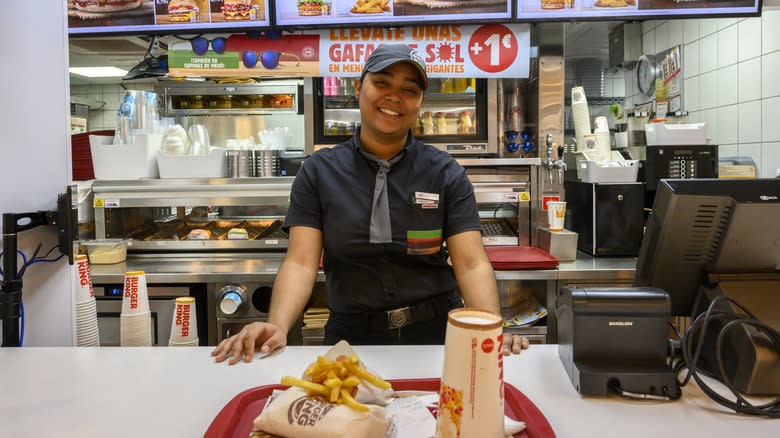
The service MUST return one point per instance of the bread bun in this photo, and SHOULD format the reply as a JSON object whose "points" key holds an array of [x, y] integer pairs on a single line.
{"points": [[106, 5]]}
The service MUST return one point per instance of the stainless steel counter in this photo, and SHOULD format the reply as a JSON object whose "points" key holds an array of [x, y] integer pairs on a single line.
{"points": [[210, 268], [194, 268]]}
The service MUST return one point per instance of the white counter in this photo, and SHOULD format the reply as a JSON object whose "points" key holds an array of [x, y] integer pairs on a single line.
{"points": [[177, 392]]}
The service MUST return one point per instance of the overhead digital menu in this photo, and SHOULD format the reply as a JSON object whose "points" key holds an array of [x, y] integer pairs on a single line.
{"points": [[361, 12], [151, 16], [601, 9]]}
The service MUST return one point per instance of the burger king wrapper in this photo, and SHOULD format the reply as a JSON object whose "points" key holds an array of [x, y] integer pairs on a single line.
{"points": [[366, 393], [294, 414]]}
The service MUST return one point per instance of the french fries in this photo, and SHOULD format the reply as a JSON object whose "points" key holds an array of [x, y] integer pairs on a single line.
{"points": [[371, 6], [336, 381]]}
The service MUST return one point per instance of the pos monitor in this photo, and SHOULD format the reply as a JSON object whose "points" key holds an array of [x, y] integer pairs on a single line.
{"points": [[715, 237], [709, 226]]}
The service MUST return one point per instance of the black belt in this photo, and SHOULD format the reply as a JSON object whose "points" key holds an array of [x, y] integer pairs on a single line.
{"points": [[421, 311]]}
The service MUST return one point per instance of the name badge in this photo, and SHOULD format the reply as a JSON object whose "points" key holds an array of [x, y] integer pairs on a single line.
{"points": [[426, 198]]}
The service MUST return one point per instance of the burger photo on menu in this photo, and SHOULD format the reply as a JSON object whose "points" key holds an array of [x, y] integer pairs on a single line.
{"points": [[237, 10], [182, 11], [445, 7], [309, 8], [98, 13]]}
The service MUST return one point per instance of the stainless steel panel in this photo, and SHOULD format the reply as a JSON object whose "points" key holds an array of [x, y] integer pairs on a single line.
{"points": [[108, 320]]}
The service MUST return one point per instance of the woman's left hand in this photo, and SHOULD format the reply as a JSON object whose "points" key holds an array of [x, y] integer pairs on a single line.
{"points": [[514, 344]]}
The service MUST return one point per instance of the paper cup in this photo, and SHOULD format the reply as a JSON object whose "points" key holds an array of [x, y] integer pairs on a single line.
{"points": [[600, 124], [471, 396], [84, 291], [184, 326], [135, 297], [556, 213], [135, 330]]}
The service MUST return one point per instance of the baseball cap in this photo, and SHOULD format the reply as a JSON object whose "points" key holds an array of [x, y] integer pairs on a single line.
{"points": [[386, 55]]}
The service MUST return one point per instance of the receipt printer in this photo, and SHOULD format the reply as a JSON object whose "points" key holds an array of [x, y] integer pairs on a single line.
{"points": [[616, 337]]}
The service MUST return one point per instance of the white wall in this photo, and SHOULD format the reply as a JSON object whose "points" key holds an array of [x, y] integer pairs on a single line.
{"points": [[35, 145], [731, 72]]}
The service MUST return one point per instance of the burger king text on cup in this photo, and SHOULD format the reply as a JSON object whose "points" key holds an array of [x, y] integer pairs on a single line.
{"points": [[84, 279], [183, 318], [131, 291]]}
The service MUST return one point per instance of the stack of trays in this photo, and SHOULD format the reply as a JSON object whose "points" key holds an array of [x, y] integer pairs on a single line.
{"points": [[314, 321]]}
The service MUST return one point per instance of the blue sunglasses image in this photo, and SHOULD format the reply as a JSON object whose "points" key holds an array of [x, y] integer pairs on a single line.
{"points": [[201, 45], [269, 59]]}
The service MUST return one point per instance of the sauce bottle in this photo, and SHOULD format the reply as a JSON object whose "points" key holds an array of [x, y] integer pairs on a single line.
{"points": [[464, 123], [427, 122], [441, 124]]}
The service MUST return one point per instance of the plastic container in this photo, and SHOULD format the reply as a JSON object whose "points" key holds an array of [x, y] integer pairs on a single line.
{"points": [[211, 165], [590, 172], [106, 252], [125, 161], [684, 134]]}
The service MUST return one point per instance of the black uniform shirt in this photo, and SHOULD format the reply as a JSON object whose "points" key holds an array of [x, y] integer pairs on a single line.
{"points": [[430, 199]]}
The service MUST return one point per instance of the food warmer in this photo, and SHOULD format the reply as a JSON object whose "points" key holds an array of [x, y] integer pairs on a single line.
{"points": [[155, 217]]}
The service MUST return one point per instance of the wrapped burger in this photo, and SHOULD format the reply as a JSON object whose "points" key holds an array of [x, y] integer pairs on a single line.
{"points": [[336, 397]]}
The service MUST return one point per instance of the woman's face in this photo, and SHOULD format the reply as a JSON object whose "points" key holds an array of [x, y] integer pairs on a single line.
{"points": [[390, 100]]}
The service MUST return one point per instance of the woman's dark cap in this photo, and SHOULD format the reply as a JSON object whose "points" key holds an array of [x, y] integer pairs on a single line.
{"points": [[386, 55]]}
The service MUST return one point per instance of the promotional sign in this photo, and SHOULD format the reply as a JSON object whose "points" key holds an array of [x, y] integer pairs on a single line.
{"points": [[155, 16], [473, 51], [325, 12], [605, 9]]}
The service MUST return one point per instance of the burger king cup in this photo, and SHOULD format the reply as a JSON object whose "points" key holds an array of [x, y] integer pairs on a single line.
{"points": [[135, 296], [471, 395], [135, 322], [184, 330], [84, 290], [86, 310]]}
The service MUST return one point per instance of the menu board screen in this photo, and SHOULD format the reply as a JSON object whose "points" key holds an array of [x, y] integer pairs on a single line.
{"points": [[87, 17], [529, 10], [362, 12]]}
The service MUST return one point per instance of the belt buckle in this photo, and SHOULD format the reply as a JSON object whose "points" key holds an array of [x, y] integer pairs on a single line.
{"points": [[398, 318]]}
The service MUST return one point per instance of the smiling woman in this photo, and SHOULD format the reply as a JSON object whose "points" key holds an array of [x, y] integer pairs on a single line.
{"points": [[380, 206], [390, 101]]}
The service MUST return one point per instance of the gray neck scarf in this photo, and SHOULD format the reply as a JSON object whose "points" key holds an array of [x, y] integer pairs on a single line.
{"points": [[380, 230]]}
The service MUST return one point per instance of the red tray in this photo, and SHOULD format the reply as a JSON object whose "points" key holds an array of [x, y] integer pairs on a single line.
{"points": [[236, 418], [520, 257]]}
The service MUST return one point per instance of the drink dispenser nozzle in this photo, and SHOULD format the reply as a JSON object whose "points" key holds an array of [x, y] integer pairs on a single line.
{"points": [[559, 164], [548, 162]]}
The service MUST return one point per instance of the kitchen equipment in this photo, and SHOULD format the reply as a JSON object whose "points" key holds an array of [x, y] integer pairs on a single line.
{"points": [[237, 111], [467, 123], [506, 194], [680, 162], [608, 217]]}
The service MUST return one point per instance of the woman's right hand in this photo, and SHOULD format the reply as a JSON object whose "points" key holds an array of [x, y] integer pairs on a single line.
{"points": [[267, 337]]}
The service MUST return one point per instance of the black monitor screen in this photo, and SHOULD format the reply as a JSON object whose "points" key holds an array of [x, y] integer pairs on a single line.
{"points": [[708, 226]]}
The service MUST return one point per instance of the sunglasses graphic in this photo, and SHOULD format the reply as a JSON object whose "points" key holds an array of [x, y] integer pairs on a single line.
{"points": [[269, 59], [201, 45]]}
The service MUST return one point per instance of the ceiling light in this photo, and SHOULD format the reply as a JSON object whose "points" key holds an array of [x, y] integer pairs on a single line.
{"points": [[98, 72]]}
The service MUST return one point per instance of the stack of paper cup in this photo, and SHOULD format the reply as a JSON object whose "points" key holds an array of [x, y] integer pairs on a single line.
{"points": [[135, 321], [603, 138], [184, 328], [581, 115], [87, 334]]}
